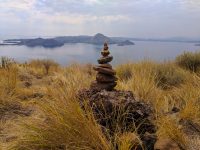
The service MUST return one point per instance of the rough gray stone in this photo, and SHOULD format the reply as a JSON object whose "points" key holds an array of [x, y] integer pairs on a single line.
{"points": [[106, 71], [100, 77], [104, 60], [102, 86]]}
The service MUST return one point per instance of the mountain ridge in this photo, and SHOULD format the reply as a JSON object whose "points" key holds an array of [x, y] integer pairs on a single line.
{"points": [[97, 39]]}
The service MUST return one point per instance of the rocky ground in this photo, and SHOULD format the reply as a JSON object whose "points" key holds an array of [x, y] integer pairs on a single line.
{"points": [[109, 105]]}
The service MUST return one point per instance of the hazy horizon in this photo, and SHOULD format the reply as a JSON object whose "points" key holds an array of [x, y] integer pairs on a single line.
{"points": [[53, 36], [124, 18]]}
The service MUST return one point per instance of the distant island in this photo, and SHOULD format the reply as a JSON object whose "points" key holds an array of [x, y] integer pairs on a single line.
{"points": [[97, 39], [197, 44], [124, 43]]}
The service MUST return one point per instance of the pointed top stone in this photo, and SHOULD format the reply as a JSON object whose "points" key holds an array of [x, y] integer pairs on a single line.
{"points": [[105, 52], [106, 46]]}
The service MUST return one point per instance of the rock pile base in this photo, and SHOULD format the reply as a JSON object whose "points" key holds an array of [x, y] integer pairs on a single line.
{"points": [[120, 110]]}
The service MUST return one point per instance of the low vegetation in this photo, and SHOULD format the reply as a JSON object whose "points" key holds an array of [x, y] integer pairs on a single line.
{"points": [[6, 62], [45, 65], [189, 61], [169, 75], [39, 107]]}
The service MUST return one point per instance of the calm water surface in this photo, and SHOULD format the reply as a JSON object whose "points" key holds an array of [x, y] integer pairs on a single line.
{"points": [[86, 53]]}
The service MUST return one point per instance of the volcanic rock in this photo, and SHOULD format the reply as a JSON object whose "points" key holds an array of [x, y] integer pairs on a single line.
{"points": [[104, 60], [105, 53], [105, 66], [27, 84], [117, 110], [95, 85], [105, 78], [104, 70], [120, 110], [105, 47]]}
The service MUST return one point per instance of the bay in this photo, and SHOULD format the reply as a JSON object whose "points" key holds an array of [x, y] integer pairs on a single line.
{"points": [[87, 53]]}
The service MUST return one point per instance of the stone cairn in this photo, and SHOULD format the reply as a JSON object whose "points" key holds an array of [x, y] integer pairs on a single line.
{"points": [[115, 109], [105, 78]]}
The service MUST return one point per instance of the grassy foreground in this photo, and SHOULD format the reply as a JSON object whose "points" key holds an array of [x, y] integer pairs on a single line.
{"points": [[39, 109]]}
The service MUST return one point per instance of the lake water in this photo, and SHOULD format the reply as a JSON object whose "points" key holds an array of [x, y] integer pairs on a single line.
{"points": [[86, 53]]}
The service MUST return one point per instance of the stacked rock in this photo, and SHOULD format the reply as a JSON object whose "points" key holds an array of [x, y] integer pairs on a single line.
{"points": [[105, 78]]}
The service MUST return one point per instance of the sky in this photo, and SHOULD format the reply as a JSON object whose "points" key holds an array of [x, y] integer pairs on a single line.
{"points": [[126, 18]]}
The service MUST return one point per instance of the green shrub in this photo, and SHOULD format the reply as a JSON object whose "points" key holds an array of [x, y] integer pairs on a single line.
{"points": [[189, 61], [168, 76]]}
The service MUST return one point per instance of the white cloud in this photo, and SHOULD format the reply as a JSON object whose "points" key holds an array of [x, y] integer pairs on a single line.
{"points": [[192, 5], [134, 16], [17, 4], [9, 18], [76, 18], [92, 1]]}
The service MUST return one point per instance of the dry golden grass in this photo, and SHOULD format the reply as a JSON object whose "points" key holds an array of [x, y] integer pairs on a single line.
{"points": [[45, 65], [194, 143], [142, 82], [64, 125], [59, 121], [8, 88], [182, 91], [8, 79], [190, 102], [128, 141], [168, 126], [189, 61]]}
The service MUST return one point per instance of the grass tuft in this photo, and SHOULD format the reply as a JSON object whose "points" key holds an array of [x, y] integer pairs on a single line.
{"points": [[168, 76], [189, 61]]}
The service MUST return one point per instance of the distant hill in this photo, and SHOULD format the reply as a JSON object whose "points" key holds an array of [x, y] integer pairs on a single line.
{"points": [[127, 42], [47, 43], [197, 44], [74, 39], [98, 39]]}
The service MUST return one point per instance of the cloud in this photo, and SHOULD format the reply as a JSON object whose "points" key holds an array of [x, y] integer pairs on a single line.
{"points": [[90, 2], [43, 11], [17, 4], [191, 5], [76, 18], [135, 17]]}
